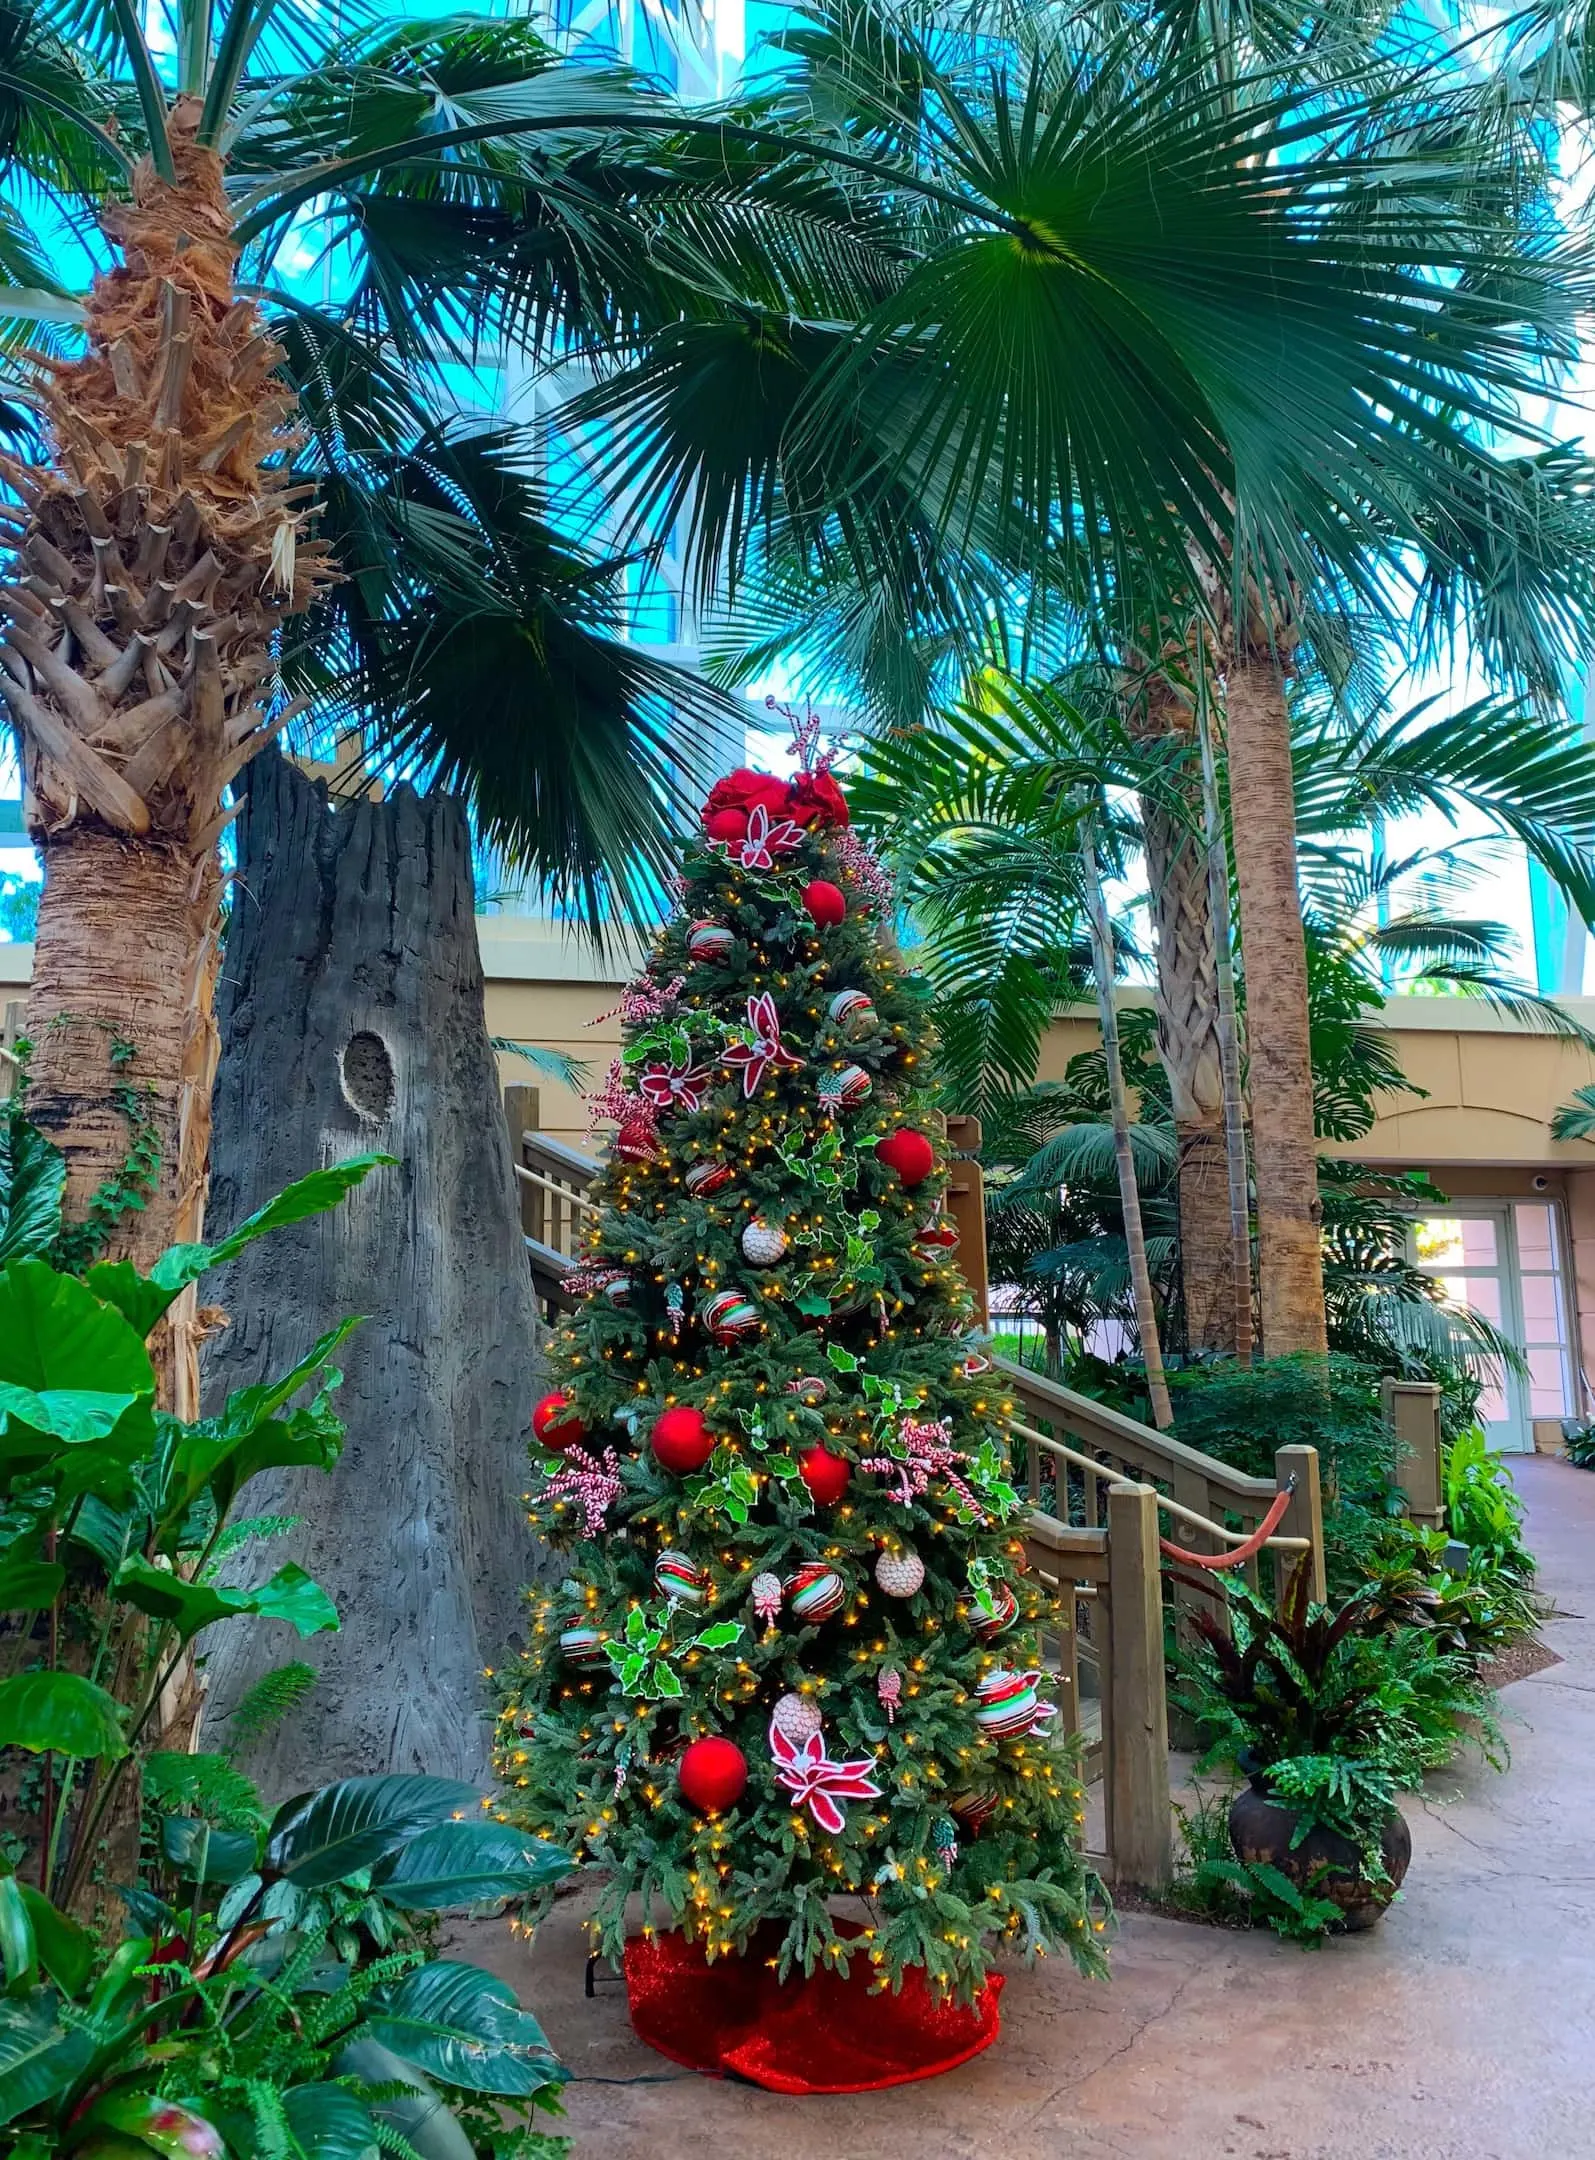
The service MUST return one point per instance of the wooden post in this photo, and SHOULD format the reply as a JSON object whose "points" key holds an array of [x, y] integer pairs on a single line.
{"points": [[1138, 1772], [966, 1204], [522, 1115], [1412, 1411], [1304, 1517]]}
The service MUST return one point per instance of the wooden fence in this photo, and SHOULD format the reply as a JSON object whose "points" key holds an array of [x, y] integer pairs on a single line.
{"points": [[1102, 1488]]}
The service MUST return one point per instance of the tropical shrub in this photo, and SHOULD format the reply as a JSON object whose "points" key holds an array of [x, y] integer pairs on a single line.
{"points": [[1242, 1415], [1482, 1505], [1478, 1611], [274, 1994], [286, 2003], [1578, 1446]]}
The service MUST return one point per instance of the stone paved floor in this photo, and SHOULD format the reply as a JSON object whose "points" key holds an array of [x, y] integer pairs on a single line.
{"points": [[1462, 2029]]}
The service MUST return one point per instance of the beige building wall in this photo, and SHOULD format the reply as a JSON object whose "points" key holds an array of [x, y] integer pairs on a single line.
{"points": [[1481, 1128]]}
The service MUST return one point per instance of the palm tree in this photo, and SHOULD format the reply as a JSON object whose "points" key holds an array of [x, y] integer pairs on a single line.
{"points": [[1238, 350], [240, 480]]}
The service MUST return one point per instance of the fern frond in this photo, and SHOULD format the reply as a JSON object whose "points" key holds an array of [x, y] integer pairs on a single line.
{"points": [[272, 1697]]}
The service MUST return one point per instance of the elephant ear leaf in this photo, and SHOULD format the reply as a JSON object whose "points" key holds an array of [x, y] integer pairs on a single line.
{"points": [[330, 1834], [32, 1180], [60, 1713], [464, 2026]]}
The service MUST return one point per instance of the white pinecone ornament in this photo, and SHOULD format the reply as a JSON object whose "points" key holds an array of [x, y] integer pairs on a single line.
{"points": [[900, 1574], [797, 1718], [763, 1242]]}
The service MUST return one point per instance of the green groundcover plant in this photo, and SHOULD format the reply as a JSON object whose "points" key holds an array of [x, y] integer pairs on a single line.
{"points": [[267, 1990]]}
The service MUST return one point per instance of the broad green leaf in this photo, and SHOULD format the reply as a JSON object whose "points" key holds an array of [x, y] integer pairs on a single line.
{"points": [[416, 2108], [468, 1863], [70, 1414], [18, 1953], [32, 1180], [665, 1682], [464, 2026], [312, 1195], [720, 1636], [329, 2123], [119, 1283], [29, 1585], [356, 1823], [55, 1334], [39, 2056], [310, 1437], [67, 1951], [290, 1595], [62, 1712], [222, 1856]]}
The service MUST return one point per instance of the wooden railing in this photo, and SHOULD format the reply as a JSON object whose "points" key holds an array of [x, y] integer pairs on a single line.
{"points": [[1103, 1491]]}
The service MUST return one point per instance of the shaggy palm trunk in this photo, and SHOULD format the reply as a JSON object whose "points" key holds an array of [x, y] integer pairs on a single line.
{"points": [[155, 559], [1190, 1010], [1284, 1146], [1237, 1178], [1188, 1043], [1141, 1293]]}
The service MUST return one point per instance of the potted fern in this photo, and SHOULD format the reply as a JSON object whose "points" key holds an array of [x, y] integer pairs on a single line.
{"points": [[1324, 1713]]}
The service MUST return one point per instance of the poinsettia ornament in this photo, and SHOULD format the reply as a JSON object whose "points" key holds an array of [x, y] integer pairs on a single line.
{"points": [[766, 1051], [817, 1783], [764, 840], [683, 1084]]}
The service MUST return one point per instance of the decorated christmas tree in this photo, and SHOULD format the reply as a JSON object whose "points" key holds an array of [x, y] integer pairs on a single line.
{"points": [[794, 1660]]}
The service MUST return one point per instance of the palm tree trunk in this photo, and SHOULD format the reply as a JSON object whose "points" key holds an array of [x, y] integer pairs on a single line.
{"points": [[1284, 1147], [1141, 1293], [1188, 1043], [158, 556], [1236, 1169]]}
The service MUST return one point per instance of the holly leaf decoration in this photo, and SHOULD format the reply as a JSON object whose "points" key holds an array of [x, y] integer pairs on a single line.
{"points": [[720, 1636], [844, 1360], [814, 1306], [665, 1681]]}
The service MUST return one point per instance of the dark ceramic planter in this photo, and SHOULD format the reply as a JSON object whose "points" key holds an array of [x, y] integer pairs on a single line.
{"points": [[1261, 1828]]}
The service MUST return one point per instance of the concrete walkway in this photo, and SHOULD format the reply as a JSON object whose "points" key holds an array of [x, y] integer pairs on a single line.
{"points": [[1462, 2029]]}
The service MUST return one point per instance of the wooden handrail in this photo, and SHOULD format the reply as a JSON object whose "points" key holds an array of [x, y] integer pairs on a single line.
{"points": [[1098, 1425], [566, 1193], [541, 1147]]}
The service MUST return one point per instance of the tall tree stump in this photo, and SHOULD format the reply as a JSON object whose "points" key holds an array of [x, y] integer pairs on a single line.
{"points": [[351, 1013]]}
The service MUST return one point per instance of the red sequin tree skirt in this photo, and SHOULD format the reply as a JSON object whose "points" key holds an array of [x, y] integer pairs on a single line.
{"points": [[820, 2034]]}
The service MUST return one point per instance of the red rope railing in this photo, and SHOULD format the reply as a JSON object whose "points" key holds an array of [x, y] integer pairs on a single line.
{"points": [[1240, 1554]]}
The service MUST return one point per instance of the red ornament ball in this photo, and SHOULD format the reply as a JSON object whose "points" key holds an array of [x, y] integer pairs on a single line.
{"points": [[713, 1774], [556, 1425], [637, 1140], [827, 1476], [826, 903], [726, 825], [681, 1440], [907, 1152]]}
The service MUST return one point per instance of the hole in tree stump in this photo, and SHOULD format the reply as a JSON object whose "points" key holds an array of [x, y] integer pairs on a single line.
{"points": [[366, 1071]]}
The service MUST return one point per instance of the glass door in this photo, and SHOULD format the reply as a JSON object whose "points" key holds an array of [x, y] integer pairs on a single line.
{"points": [[1470, 1256], [1506, 1261]]}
